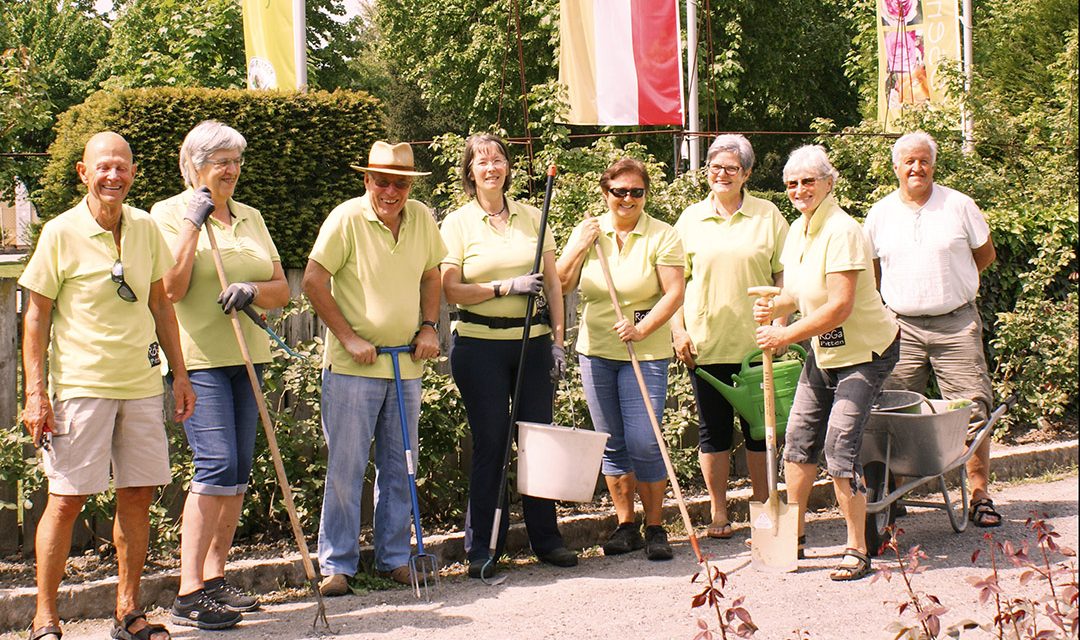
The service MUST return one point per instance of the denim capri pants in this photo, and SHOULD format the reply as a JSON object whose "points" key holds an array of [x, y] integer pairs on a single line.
{"points": [[221, 431], [617, 409], [830, 410]]}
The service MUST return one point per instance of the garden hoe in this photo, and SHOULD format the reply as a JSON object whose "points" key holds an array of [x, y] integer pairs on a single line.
{"points": [[774, 525], [701, 559], [271, 442], [421, 564], [487, 571]]}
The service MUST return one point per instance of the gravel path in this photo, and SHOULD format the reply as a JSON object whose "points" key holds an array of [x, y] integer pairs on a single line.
{"points": [[630, 597]]}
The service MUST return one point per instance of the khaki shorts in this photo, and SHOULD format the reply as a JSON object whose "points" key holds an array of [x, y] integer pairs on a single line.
{"points": [[92, 433]]}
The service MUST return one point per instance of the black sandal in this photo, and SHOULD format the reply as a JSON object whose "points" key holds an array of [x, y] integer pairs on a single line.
{"points": [[983, 514], [121, 628], [47, 630], [860, 569]]}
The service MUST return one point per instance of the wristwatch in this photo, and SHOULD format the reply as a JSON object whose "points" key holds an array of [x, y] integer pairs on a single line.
{"points": [[430, 323]]}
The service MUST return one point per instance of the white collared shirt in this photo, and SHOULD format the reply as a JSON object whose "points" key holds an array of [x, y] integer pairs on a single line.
{"points": [[927, 266]]}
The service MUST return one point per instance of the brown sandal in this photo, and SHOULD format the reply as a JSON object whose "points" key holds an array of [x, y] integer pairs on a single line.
{"points": [[121, 628], [983, 514], [860, 569]]}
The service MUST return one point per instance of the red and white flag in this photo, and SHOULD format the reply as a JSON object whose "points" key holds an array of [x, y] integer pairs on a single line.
{"points": [[620, 61]]}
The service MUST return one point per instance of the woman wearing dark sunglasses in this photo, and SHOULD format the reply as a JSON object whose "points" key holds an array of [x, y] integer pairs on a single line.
{"points": [[646, 261], [829, 278], [221, 432]]}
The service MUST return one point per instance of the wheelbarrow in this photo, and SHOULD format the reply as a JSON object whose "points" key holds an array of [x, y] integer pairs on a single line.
{"points": [[920, 444]]}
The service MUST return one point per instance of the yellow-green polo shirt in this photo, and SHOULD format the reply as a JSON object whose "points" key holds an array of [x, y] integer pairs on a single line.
{"points": [[484, 254], [650, 244], [101, 346], [248, 253], [724, 257], [376, 281], [831, 243]]}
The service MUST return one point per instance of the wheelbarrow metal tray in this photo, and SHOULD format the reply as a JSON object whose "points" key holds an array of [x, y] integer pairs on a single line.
{"points": [[924, 444]]}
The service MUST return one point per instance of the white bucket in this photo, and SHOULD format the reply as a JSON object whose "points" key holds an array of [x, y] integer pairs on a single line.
{"points": [[559, 463]]}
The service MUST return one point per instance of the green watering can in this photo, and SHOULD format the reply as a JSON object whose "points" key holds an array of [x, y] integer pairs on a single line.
{"points": [[747, 395]]}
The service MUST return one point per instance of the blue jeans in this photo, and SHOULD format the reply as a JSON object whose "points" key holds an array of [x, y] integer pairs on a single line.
{"points": [[221, 431], [355, 411], [616, 407]]}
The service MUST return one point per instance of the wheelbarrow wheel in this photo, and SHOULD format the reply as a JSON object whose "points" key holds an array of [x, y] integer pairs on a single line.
{"points": [[877, 488], [958, 513]]}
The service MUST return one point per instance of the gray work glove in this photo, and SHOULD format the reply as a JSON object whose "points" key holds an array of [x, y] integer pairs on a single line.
{"points": [[558, 366], [237, 297], [527, 284], [200, 207]]}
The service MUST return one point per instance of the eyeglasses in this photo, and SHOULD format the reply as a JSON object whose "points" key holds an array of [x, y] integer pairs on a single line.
{"points": [[491, 164], [805, 182], [124, 289], [227, 162], [402, 184], [636, 192], [729, 169]]}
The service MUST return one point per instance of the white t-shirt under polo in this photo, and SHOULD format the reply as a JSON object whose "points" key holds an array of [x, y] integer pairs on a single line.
{"points": [[927, 266]]}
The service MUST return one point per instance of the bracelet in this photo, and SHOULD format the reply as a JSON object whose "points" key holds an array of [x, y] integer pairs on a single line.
{"points": [[497, 285]]}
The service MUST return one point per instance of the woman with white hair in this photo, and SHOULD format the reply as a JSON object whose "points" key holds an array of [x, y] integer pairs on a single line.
{"points": [[221, 432], [732, 241], [829, 278]]}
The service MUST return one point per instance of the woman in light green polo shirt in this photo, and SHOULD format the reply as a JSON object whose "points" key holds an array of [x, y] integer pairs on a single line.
{"points": [[646, 261], [221, 432], [732, 242], [829, 278], [491, 245]]}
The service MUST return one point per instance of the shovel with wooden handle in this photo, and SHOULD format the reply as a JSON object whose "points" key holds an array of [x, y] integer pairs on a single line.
{"points": [[774, 524]]}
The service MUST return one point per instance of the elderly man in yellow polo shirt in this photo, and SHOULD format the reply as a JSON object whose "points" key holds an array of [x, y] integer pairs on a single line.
{"points": [[373, 278], [96, 304]]}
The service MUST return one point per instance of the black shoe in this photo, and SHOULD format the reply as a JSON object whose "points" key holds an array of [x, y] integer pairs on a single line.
{"points": [[230, 596], [656, 544], [560, 557], [476, 568], [200, 610], [625, 538]]}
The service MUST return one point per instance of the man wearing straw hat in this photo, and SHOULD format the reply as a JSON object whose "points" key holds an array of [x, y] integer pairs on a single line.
{"points": [[373, 278]]}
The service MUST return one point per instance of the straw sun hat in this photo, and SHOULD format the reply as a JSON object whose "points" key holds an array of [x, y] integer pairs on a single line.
{"points": [[395, 159]]}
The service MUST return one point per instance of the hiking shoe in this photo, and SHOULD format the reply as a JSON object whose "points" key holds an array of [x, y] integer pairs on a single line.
{"points": [[399, 575], [198, 609], [230, 595], [625, 538], [335, 585], [560, 557], [656, 544]]}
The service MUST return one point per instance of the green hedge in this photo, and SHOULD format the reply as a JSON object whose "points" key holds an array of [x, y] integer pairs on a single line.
{"points": [[299, 150]]}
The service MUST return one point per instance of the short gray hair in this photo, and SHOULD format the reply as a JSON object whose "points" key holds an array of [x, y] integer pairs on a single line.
{"points": [[813, 159], [733, 143], [201, 142], [914, 139]]}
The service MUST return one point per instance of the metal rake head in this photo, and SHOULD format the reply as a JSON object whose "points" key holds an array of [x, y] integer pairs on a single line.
{"points": [[424, 574]]}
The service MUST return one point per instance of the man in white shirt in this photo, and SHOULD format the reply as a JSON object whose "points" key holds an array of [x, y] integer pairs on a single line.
{"points": [[930, 244]]}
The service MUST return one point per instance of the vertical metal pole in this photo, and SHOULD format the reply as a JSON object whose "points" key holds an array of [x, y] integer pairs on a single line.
{"points": [[692, 78], [968, 124], [300, 45]]}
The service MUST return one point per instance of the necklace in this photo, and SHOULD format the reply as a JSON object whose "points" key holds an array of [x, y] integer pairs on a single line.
{"points": [[499, 212]]}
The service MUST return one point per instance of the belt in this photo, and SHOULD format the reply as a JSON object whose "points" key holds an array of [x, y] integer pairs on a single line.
{"points": [[495, 322], [955, 311]]}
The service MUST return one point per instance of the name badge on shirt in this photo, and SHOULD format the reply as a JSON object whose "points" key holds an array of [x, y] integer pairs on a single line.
{"points": [[834, 338], [153, 354]]}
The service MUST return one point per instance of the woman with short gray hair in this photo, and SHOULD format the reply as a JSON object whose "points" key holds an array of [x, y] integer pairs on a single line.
{"points": [[221, 432], [732, 241], [829, 279]]}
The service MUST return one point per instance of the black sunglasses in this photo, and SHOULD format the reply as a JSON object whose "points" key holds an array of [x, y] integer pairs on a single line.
{"points": [[124, 289], [636, 192]]}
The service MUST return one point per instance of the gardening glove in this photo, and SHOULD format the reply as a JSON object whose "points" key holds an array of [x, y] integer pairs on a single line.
{"points": [[528, 284], [558, 366], [200, 207], [237, 297]]}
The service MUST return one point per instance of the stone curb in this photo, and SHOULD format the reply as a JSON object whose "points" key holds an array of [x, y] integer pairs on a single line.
{"points": [[96, 599]]}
